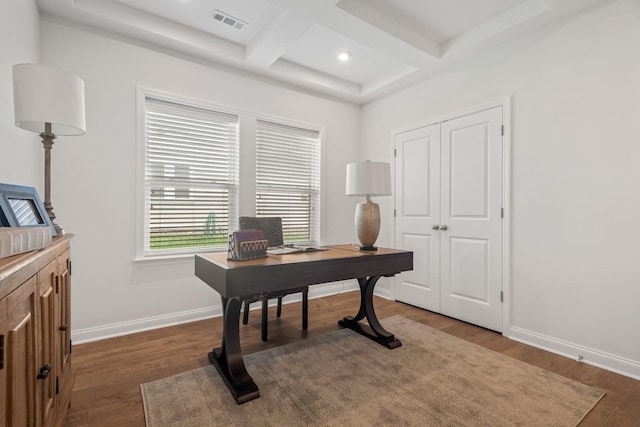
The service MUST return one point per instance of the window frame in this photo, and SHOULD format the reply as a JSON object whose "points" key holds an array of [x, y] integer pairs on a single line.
{"points": [[246, 155], [314, 194], [143, 251]]}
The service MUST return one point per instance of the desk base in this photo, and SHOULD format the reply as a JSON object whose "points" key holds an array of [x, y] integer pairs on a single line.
{"points": [[242, 393], [389, 341], [228, 357], [374, 330]]}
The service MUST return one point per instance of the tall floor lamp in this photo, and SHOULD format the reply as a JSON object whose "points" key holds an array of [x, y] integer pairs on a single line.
{"points": [[49, 102], [368, 179]]}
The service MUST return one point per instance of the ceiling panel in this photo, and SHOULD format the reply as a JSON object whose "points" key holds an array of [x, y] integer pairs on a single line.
{"points": [[198, 15], [442, 19], [394, 43], [318, 49]]}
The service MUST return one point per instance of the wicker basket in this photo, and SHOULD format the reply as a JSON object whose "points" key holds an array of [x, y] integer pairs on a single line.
{"points": [[246, 250]]}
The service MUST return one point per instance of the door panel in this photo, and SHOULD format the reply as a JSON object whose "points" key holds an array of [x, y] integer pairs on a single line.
{"points": [[20, 357], [415, 179], [468, 269], [46, 387], [468, 170], [471, 246], [417, 201], [63, 321], [418, 281]]}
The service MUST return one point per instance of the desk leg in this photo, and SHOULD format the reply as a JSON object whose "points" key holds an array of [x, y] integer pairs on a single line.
{"points": [[228, 358], [374, 330]]}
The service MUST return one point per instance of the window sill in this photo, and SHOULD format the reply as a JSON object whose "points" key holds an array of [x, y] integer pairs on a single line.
{"points": [[141, 261]]}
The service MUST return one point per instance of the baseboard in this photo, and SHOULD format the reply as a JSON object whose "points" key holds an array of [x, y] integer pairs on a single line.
{"points": [[581, 354], [383, 293], [86, 335], [98, 333]]}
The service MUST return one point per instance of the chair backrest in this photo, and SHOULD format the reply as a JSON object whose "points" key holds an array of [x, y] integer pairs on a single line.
{"points": [[271, 226]]}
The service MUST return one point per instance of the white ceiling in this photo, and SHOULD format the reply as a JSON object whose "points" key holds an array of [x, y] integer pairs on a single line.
{"points": [[393, 43]]}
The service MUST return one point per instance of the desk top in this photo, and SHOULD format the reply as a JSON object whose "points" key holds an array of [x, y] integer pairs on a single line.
{"points": [[279, 272]]}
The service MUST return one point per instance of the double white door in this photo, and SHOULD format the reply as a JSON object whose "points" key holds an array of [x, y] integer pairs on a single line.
{"points": [[448, 201]]}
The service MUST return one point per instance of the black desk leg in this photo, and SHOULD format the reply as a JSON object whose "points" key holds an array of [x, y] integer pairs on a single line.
{"points": [[305, 309], [374, 331], [228, 358]]}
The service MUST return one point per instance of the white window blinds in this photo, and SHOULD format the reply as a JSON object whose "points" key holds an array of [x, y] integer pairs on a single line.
{"points": [[288, 179], [191, 176]]}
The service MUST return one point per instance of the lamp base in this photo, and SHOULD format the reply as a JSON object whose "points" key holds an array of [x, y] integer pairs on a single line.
{"points": [[59, 230], [368, 248], [367, 220]]}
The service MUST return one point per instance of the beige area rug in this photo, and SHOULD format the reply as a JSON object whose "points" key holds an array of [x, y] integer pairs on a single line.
{"points": [[345, 379]]}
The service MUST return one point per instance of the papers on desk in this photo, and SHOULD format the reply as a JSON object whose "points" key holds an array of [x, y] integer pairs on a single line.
{"points": [[294, 249]]}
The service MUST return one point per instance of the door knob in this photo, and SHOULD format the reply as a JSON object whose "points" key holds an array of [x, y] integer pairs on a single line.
{"points": [[435, 227], [443, 227]]}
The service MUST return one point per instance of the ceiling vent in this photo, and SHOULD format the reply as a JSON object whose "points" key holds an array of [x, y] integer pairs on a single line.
{"points": [[225, 18]]}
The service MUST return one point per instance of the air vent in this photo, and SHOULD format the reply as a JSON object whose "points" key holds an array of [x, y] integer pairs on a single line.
{"points": [[225, 18]]}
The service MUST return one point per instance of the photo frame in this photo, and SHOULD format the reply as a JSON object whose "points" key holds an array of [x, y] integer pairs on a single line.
{"points": [[20, 206]]}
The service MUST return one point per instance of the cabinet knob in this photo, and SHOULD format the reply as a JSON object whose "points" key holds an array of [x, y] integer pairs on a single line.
{"points": [[63, 327], [443, 227], [435, 227], [44, 372]]}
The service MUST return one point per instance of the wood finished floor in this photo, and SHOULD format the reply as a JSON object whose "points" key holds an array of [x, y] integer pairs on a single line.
{"points": [[107, 387]]}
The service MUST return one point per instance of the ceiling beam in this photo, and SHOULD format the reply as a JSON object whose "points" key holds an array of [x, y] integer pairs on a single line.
{"points": [[282, 32], [497, 25], [326, 14], [364, 11]]}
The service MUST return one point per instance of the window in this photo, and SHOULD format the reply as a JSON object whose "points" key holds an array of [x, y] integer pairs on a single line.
{"points": [[288, 179], [190, 177]]}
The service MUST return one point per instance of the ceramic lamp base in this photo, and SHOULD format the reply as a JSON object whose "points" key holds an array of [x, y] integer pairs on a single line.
{"points": [[367, 224]]}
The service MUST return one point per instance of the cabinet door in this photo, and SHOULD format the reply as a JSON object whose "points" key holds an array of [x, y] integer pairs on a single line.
{"points": [[46, 351], [4, 332], [20, 355], [63, 319]]}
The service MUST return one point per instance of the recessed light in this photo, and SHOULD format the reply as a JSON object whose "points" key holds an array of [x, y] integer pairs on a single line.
{"points": [[344, 56]]}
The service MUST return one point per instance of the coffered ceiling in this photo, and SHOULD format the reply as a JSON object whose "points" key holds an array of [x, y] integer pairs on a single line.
{"points": [[392, 43]]}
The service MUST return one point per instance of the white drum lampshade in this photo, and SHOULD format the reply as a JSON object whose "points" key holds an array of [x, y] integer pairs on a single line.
{"points": [[46, 95]]}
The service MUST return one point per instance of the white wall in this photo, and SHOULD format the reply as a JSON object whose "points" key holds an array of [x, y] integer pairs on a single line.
{"points": [[21, 152], [94, 176], [575, 212]]}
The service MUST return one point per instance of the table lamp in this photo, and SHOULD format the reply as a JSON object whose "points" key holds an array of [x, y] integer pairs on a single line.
{"points": [[368, 179], [49, 102]]}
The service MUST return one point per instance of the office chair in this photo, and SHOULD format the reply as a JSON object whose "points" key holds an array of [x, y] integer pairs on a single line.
{"points": [[272, 229]]}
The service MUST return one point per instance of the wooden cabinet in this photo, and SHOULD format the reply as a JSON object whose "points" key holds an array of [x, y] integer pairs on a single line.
{"points": [[36, 375]]}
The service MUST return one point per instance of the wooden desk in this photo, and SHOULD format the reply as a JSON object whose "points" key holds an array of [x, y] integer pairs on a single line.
{"points": [[237, 281]]}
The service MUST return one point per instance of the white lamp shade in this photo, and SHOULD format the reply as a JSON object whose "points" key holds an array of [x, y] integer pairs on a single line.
{"points": [[368, 178], [45, 95]]}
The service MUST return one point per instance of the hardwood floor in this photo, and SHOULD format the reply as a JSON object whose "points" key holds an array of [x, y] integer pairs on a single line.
{"points": [[107, 388]]}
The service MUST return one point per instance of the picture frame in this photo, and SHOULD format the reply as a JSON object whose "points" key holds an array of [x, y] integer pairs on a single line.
{"points": [[20, 206]]}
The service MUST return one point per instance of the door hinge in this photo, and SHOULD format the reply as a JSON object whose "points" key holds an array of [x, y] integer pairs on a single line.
{"points": [[394, 213], [57, 385], [70, 346], [501, 296], [1, 351], [69, 267], [502, 130], [395, 152], [501, 212]]}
